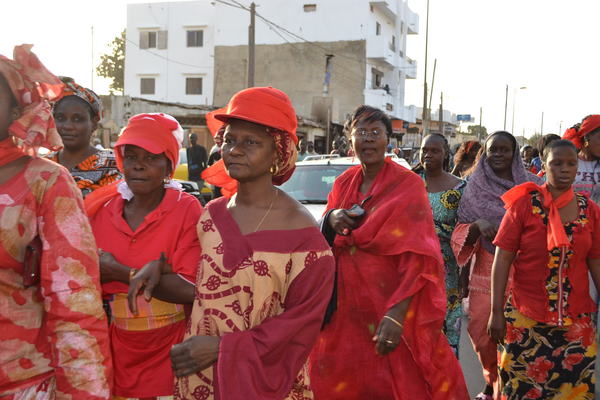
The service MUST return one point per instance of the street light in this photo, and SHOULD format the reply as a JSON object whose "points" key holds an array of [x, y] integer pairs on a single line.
{"points": [[512, 130]]}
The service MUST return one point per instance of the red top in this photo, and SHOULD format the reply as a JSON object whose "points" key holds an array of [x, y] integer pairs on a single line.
{"points": [[169, 228], [536, 291]]}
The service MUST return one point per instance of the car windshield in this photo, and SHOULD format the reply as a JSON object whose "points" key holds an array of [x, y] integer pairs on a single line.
{"points": [[312, 183]]}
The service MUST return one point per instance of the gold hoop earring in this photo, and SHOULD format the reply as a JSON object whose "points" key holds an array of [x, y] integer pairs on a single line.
{"points": [[274, 170]]}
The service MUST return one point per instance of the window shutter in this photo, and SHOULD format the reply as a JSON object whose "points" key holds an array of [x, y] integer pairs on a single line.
{"points": [[162, 40], [143, 40]]}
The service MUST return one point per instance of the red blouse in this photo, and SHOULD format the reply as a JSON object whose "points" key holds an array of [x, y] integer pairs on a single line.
{"points": [[548, 286]]}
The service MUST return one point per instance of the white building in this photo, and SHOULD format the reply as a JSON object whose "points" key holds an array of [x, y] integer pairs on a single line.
{"points": [[170, 53]]}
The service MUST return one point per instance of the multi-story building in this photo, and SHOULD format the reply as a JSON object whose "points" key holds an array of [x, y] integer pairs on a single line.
{"points": [[196, 52]]}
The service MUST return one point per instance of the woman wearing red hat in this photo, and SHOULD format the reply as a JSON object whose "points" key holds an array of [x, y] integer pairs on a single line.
{"points": [[265, 274], [586, 137], [146, 220], [385, 339], [53, 334]]}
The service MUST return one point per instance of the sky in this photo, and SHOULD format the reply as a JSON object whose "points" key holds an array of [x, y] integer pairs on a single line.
{"points": [[546, 46]]}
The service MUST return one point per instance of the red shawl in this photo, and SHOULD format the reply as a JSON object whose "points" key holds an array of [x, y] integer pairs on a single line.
{"points": [[394, 254]]}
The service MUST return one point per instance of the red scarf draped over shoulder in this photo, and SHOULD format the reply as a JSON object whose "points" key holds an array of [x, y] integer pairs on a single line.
{"points": [[398, 220], [556, 236], [398, 216]]}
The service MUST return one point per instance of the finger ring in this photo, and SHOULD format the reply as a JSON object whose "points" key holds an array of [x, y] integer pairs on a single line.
{"points": [[345, 231], [389, 341]]}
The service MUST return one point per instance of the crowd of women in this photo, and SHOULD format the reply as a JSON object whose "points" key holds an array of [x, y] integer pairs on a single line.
{"points": [[248, 297]]}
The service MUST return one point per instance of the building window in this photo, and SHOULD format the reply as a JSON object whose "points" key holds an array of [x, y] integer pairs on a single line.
{"points": [[376, 78], [195, 38], [310, 7], [193, 85], [147, 86], [393, 44], [153, 39], [377, 28]]}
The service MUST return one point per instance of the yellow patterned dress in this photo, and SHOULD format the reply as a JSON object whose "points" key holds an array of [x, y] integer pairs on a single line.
{"points": [[265, 295]]}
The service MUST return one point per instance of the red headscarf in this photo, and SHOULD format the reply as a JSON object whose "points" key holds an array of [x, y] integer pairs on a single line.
{"points": [[33, 86], [264, 106], [577, 132], [556, 236], [154, 132]]}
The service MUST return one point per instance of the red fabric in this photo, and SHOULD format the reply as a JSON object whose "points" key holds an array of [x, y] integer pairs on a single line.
{"points": [[155, 133], [576, 133], [142, 360], [394, 254], [264, 294], [169, 228], [57, 329], [9, 152], [212, 123], [33, 87], [264, 106], [94, 201], [556, 237], [142, 357], [523, 232]]}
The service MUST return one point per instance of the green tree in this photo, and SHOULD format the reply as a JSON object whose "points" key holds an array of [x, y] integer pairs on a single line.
{"points": [[476, 130], [112, 65]]}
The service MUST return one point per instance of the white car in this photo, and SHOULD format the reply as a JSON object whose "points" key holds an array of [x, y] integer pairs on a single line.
{"points": [[313, 180]]}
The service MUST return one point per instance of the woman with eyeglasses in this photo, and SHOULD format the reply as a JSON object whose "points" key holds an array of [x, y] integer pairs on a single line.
{"points": [[383, 334]]}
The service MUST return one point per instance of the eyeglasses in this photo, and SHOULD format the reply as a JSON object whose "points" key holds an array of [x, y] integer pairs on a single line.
{"points": [[363, 133]]}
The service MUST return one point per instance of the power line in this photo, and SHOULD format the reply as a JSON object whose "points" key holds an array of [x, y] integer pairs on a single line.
{"points": [[168, 59]]}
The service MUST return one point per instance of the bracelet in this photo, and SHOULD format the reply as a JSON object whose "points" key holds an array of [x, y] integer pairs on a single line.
{"points": [[132, 272], [394, 321]]}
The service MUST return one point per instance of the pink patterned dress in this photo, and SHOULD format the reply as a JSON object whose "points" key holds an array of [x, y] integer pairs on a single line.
{"points": [[53, 336], [265, 295]]}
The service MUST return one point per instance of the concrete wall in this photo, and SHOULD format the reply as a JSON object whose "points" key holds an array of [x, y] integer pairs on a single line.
{"points": [[297, 69]]}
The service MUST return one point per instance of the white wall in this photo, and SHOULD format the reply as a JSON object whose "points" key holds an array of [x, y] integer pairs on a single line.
{"points": [[172, 65], [333, 20]]}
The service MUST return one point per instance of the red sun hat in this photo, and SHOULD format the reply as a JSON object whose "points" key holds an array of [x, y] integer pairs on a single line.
{"points": [[154, 132], [264, 106]]}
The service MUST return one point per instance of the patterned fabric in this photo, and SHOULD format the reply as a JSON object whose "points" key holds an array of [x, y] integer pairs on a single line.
{"points": [[445, 206], [41, 391], [33, 87], [96, 171], [88, 95], [265, 295], [480, 261], [57, 329], [541, 361]]}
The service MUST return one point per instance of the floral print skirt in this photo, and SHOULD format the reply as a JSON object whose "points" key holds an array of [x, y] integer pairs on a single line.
{"points": [[540, 361]]}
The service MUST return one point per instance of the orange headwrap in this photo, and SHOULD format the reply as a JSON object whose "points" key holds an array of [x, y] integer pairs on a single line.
{"points": [[577, 132], [265, 106], [556, 236], [33, 87], [154, 132]]}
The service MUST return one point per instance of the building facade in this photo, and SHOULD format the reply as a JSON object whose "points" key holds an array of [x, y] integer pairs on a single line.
{"points": [[328, 55]]}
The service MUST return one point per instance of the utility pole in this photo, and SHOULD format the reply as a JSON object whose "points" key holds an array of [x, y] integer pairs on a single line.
{"points": [[425, 115], [431, 91], [441, 116], [505, 106], [542, 127], [251, 44], [326, 81]]}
